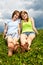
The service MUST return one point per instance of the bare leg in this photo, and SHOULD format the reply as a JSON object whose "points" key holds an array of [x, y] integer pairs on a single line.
{"points": [[29, 39], [23, 40], [10, 50], [16, 44], [10, 46]]}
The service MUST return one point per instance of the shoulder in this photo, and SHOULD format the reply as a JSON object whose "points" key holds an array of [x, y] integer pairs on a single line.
{"points": [[32, 19], [18, 20], [7, 21]]}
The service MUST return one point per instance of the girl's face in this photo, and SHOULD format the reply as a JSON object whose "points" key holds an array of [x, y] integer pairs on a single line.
{"points": [[16, 16], [24, 16]]}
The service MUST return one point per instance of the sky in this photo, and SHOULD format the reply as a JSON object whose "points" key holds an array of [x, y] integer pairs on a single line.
{"points": [[33, 7]]}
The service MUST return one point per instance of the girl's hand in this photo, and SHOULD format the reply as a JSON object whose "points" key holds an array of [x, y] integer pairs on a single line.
{"points": [[37, 33], [4, 36]]}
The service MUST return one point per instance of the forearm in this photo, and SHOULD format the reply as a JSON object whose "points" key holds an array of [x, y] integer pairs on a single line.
{"points": [[33, 26], [4, 34], [19, 28], [35, 30], [19, 31], [5, 31]]}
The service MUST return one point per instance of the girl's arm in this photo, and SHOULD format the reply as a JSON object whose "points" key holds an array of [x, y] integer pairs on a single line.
{"points": [[19, 28], [33, 26], [5, 30]]}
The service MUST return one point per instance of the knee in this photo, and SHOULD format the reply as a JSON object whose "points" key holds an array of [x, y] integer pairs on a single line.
{"points": [[23, 41], [25, 46], [9, 40], [16, 46], [32, 37], [10, 45]]}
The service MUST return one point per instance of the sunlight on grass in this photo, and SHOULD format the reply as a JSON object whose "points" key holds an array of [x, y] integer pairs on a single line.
{"points": [[32, 57]]}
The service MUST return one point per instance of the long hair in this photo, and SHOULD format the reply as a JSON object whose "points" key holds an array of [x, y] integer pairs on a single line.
{"points": [[15, 12], [24, 13]]}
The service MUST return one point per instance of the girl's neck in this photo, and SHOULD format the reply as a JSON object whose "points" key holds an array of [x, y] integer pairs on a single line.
{"points": [[26, 20], [13, 20]]}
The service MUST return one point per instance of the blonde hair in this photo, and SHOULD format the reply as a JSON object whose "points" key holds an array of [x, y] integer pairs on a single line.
{"points": [[24, 13]]}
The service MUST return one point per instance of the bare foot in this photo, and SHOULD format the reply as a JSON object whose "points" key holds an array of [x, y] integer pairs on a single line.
{"points": [[29, 48], [9, 53], [22, 48], [16, 46]]}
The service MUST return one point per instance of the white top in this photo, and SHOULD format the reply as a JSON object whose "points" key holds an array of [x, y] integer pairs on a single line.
{"points": [[12, 26]]}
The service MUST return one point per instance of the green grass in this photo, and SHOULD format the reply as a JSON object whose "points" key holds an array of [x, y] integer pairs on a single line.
{"points": [[32, 57]]}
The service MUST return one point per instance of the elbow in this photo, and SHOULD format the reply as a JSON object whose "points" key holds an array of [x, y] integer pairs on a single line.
{"points": [[34, 28]]}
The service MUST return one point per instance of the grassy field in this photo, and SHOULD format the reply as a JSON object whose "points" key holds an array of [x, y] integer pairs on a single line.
{"points": [[32, 57]]}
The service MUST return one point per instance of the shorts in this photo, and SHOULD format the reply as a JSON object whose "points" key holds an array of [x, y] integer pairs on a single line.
{"points": [[13, 35], [28, 33]]}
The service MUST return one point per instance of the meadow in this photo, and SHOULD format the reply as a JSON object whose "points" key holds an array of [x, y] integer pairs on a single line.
{"points": [[32, 57]]}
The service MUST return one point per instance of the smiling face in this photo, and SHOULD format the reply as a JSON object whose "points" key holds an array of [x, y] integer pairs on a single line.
{"points": [[24, 15], [15, 15]]}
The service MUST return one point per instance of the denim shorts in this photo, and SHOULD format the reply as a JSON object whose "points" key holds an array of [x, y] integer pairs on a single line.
{"points": [[28, 33]]}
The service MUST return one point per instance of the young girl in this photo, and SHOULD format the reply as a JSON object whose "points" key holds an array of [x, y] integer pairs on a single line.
{"points": [[12, 32], [28, 30]]}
